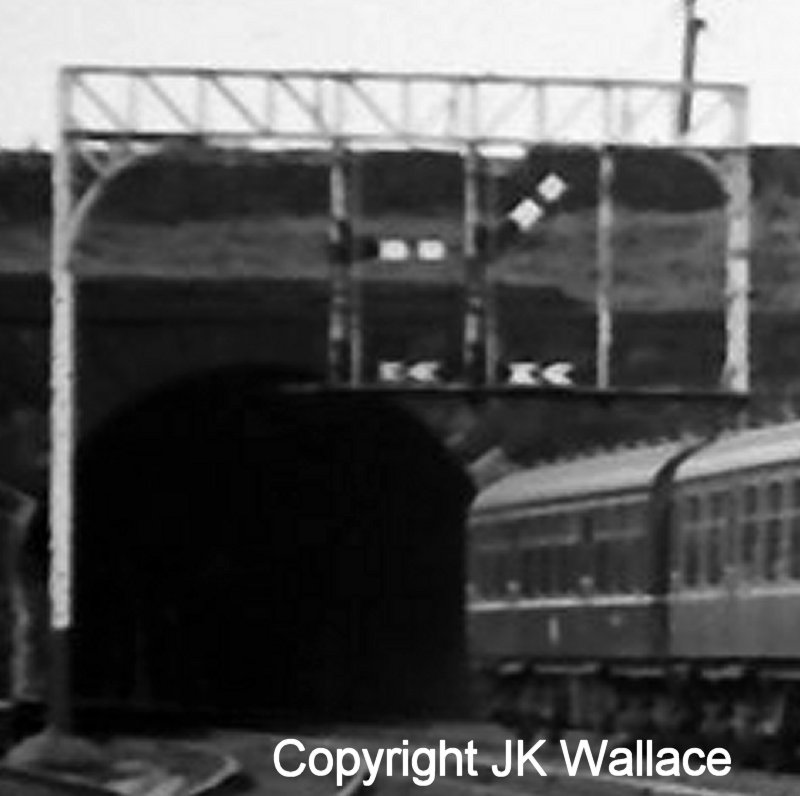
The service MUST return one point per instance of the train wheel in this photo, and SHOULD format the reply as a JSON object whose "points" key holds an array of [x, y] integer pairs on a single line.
{"points": [[634, 719], [599, 707], [715, 724], [530, 716], [744, 725]]}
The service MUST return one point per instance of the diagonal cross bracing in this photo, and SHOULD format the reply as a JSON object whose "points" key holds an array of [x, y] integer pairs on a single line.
{"points": [[376, 109]]}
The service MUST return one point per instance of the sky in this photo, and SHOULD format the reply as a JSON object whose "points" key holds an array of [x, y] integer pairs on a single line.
{"points": [[748, 41]]}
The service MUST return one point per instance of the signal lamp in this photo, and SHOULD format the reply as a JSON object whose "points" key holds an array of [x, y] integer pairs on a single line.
{"points": [[532, 374], [526, 214], [391, 372], [524, 373], [431, 249], [393, 249], [425, 372], [551, 188]]}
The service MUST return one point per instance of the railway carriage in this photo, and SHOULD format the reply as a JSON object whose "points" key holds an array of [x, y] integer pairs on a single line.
{"points": [[646, 590]]}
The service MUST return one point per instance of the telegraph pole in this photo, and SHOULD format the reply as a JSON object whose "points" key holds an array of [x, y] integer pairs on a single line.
{"points": [[692, 27]]}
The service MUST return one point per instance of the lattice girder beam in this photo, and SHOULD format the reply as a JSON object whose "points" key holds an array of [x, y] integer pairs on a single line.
{"points": [[374, 109]]}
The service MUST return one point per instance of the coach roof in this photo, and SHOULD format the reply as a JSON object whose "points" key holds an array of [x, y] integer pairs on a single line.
{"points": [[742, 450], [616, 471]]}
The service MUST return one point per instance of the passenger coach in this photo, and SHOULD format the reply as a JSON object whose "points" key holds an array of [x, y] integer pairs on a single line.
{"points": [[646, 589]]}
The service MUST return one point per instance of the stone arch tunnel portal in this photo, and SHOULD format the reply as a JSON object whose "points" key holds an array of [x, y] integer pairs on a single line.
{"points": [[242, 549]]}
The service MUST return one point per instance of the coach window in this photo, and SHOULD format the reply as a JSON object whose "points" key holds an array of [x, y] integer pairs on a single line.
{"points": [[749, 543], [476, 570], [498, 577], [586, 550], [794, 539], [635, 520], [487, 573], [561, 569], [601, 567], [716, 537], [504, 573], [634, 541], [622, 544], [774, 531], [473, 591], [476, 575], [531, 574], [702, 527], [587, 523], [626, 522], [525, 571], [479, 573], [676, 521], [622, 564], [568, 552], [572, 575], [555, 568], [691, 558], [608, 523], [615, 574], [545, 570], [600, 554], [630, 518], [538, 571], [616, 554], [552, 580], [691, 552]]}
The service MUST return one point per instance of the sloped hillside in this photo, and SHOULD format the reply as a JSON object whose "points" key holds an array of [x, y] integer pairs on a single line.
{"points": [[222, 216]]}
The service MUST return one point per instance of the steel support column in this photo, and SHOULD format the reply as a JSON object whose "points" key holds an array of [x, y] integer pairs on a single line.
{"points": [[62, 424]]}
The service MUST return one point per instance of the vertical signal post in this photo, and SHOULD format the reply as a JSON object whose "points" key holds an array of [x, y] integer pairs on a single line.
{"points": [[605, 227], [341, 261], [474, 357], [736, 371], [356, 298], [492, 321]]}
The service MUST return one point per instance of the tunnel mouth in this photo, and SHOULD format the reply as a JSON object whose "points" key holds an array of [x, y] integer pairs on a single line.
{"points": [[246, 550]]}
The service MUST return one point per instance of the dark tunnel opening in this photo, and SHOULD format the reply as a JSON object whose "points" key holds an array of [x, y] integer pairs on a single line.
{"points": [[249, 551]]}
